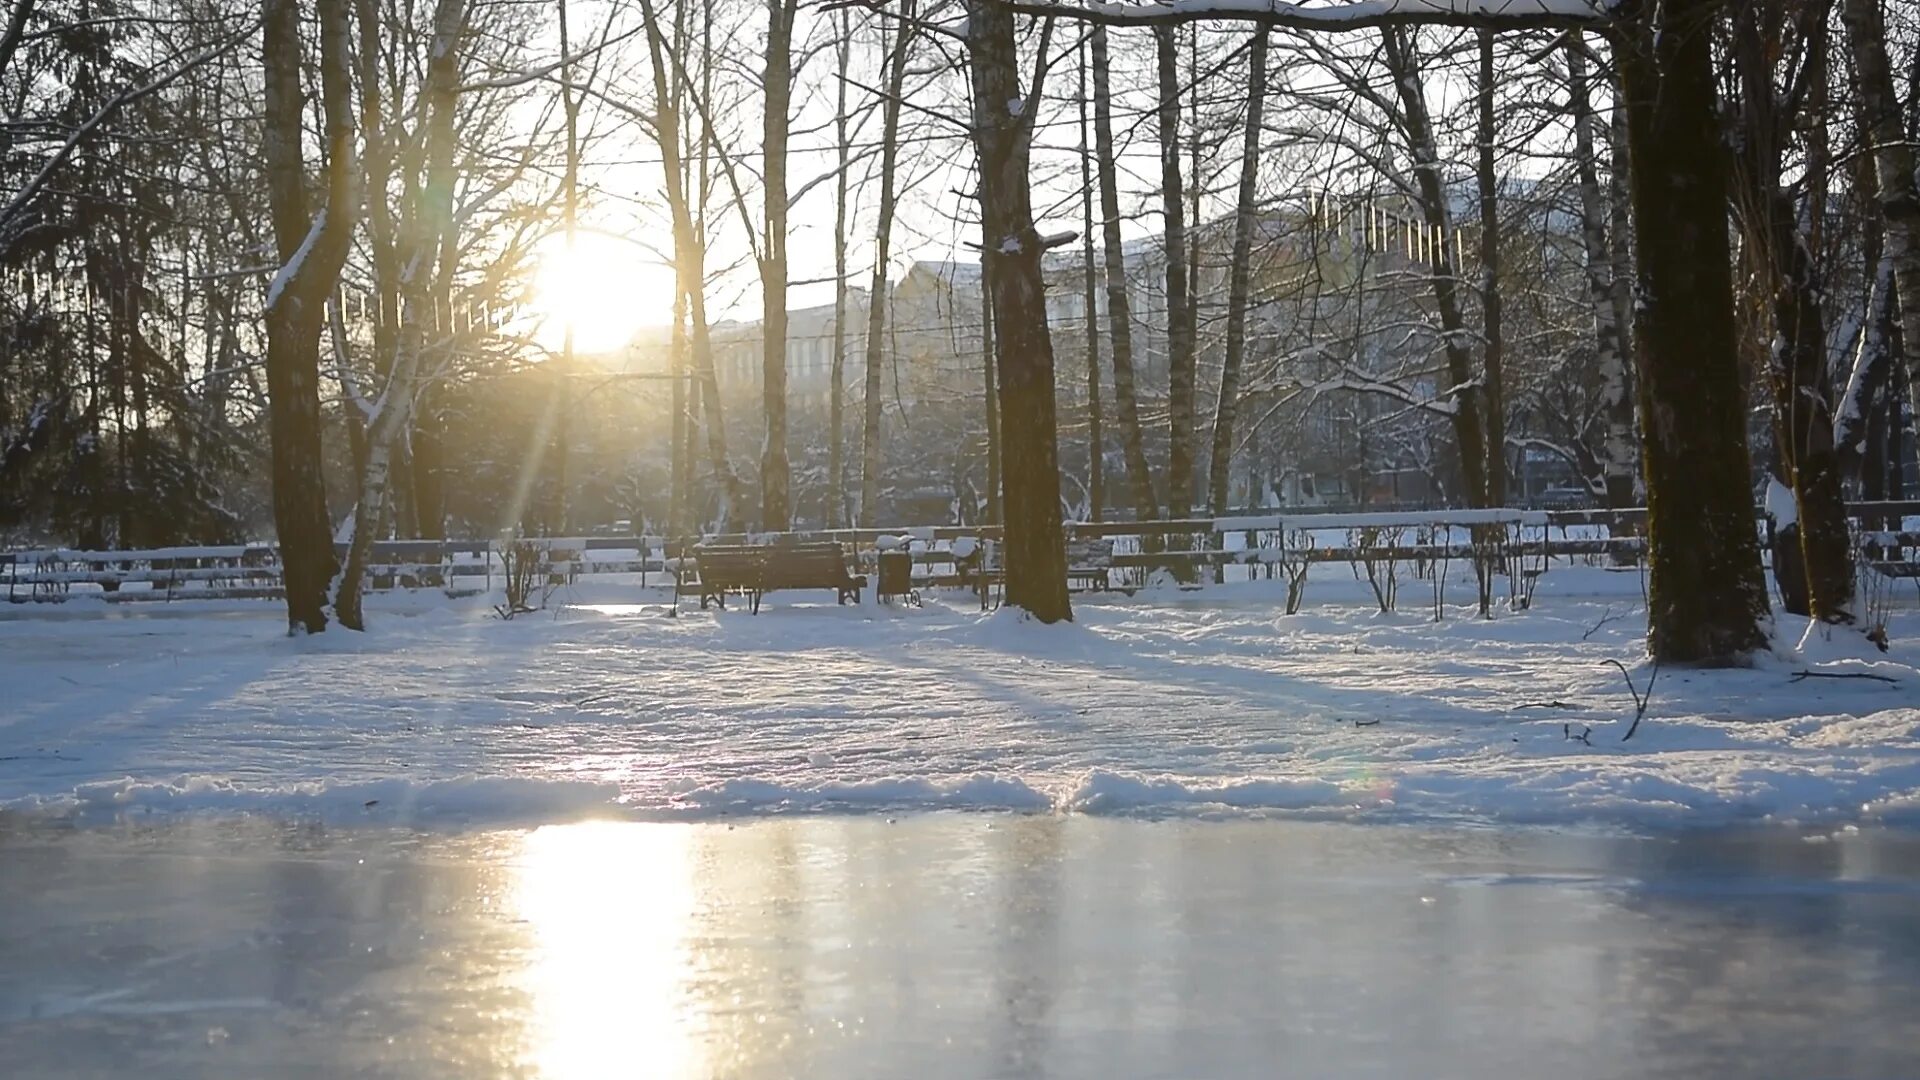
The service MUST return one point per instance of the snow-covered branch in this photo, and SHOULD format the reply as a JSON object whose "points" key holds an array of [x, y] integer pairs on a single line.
{"points": [[1353, 15]]}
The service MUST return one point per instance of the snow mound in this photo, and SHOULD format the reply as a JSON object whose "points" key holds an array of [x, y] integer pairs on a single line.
{"points": [[981, 791], [467, 799], [1108, 792]]}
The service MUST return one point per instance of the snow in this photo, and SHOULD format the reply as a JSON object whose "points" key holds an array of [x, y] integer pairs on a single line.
{"points": [[291, 270], [1780, 505], [1170, 702], [1352, 14]]}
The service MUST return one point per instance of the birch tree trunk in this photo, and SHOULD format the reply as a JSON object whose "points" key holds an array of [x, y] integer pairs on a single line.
{"points": [[1706, 601], [311, 248], [1119, 309], [1239, 281], [1003, 116], [1899, 197], [1617, 458], [433, 220]]}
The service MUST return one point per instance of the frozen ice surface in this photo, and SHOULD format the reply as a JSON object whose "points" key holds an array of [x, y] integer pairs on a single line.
{"points": [[954, 947]]}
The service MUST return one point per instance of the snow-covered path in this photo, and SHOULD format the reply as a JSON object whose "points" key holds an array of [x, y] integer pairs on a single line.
{"points": [[1207, 702]]}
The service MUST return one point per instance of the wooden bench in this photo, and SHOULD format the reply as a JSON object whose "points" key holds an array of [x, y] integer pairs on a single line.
{"points": [[1898, 570], [1090, 563], [755, 570]]}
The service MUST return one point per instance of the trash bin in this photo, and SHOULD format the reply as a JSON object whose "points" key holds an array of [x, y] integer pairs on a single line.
{"points": [[896, 575]]}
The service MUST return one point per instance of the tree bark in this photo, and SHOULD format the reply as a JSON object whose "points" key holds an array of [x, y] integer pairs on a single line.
{"points": [[1181, 323], [1119, 310], [311, 248], [1239, 280], [1706, 600], [1036, 569]]}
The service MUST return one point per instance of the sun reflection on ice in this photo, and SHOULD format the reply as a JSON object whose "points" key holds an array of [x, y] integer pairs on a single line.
{"points": [[610, 908]]}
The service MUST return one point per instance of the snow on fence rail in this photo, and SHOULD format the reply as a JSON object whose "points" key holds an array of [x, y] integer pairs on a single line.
{"points": [[1133, 549]]}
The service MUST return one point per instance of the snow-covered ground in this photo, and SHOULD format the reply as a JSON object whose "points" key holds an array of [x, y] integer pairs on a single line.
{"points": [[1208, 702]]}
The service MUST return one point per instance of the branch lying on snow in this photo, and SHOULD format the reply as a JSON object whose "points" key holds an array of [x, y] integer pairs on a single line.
{"points": [[1802, 676], [1355, 15]]}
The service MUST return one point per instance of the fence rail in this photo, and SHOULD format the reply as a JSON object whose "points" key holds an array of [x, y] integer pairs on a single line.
{"points": [[1192, 548]]}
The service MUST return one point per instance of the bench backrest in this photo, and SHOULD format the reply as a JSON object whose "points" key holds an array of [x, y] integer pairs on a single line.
{"points": [[729, 565], [804, 566], [1089, 552]]}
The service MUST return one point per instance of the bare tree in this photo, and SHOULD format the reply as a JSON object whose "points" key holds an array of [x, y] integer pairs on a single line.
{"points": [[312, 246], [1899, 194], [1239, 281], [896, 77], [431, 221], [1119, 308], [1181, 321], [1003, 119], [1617, 458]]}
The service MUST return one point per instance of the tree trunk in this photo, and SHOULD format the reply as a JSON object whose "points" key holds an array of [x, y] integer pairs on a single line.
{"points": [[837, 373], [429, 491], [1464, 394], [1820, 582], [1899, 194], [1003, 118], [882, 252], [1119, 310], [988, 365], [1706, 601], [1181, 324], [689, 255], [311, 249], [1493, 359], [775, 471], [1096, 442], [1617, 464], [1239, 280], [433, 220]]}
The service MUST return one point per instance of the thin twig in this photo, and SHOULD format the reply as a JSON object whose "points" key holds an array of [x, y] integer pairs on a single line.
{"points": [[1640, 700], [1800, 676]]}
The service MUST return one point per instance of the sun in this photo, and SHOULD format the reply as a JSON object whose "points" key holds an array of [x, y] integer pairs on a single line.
{"points": [[606, 288]]}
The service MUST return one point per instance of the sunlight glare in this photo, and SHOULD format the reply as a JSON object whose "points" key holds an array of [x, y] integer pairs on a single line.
{"points": [[606, 289], [610, 907]]}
